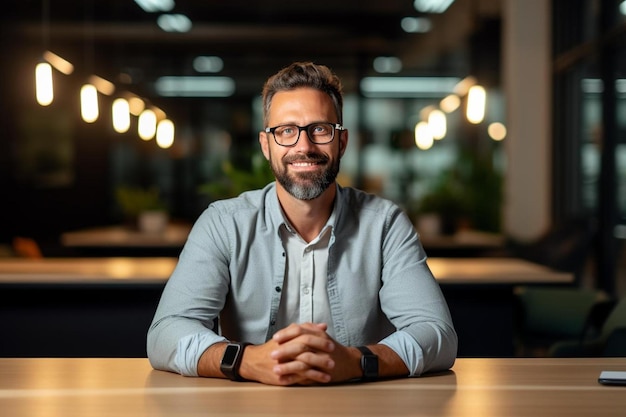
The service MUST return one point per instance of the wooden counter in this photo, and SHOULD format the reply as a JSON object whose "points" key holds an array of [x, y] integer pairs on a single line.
{"points": [[474, 387]]}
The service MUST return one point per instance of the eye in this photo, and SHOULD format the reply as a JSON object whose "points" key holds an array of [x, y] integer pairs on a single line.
{"points": [[321, 129], [286, 130]]}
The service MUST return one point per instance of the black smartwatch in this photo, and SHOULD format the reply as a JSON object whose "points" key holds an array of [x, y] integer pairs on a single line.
{"points": [[232, 360], [369, 364]]}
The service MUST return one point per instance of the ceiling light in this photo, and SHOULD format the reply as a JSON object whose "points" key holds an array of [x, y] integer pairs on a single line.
{"points": [[135, 104], [476, 99], [496, 131], [387, 64], [121, 115], [432, 6], [437, 124], [103, 86], [450, 103], [146, 125], [43, 84], [408, 86], [165, 133], [152, 6], [89, 103], [416, 24], [464, 85], [208, 64], [171, 86], [423, 136], [59, 63], [174, 23]]}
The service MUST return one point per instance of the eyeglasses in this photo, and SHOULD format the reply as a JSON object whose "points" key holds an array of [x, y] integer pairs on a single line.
{"points": [[318, 133]]}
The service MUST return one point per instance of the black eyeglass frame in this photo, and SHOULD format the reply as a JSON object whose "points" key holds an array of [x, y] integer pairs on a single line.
{"points": [[334, 127]]}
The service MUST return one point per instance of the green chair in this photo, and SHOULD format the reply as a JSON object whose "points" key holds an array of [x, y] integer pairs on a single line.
{"points": [[611, 340], [547, 315]]}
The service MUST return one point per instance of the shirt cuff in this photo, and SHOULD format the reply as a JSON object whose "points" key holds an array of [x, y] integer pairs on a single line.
{"points": [[190, 349], [408, 349]]}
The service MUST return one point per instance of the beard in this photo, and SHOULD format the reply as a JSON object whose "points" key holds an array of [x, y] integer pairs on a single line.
{"points": [[305, 185]]}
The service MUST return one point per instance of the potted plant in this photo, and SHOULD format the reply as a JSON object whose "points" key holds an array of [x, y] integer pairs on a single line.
{"points": [[143, 208]]}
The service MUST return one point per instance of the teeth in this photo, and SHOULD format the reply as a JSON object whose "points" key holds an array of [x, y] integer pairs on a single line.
{"points": [[303, 164]]}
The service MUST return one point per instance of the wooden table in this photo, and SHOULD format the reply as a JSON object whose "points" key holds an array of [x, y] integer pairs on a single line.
{"points": [[103, 306], [123, 241], [494, 271], [472, 271], [474, 387], [480, 295], [464, 243]]}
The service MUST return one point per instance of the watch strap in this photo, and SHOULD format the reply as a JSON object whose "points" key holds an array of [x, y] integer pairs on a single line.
{"points": [[230, 368], [369, 363]]}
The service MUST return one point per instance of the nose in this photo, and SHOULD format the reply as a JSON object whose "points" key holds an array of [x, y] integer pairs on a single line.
{"points": [[303, 141]]}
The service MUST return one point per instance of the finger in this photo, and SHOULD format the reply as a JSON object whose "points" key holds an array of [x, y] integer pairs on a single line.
{"points": [[294, 330], [297, 372], [303, 344], [322, 362]]}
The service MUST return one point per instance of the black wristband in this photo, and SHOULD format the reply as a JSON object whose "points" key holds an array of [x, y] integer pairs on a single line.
{"points": [[369, 364], [231, 360]]}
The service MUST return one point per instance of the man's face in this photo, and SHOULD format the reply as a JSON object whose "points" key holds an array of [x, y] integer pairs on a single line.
{"points": [[305, 170]]}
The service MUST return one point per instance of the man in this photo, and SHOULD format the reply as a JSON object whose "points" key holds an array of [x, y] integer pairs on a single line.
{"points": [[312, 283]]}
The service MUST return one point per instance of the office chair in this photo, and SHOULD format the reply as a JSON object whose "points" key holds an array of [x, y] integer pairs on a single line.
{"points": [[547, 314], [611, 340]]}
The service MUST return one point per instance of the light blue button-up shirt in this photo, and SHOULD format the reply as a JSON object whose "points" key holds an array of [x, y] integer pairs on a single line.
{"points": [[380, 288]]}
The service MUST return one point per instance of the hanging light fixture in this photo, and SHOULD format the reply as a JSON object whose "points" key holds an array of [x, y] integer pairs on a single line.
{"points": [[437, 124], [120, 112], [44, 89], [60, 64], [165, 133], [476, 99], [423, 136], [146, 125], [89, 110]]}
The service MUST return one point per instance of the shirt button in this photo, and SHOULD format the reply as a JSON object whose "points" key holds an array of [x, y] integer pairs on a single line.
{"points": [[277, 289], [306, 291], [273, 322]]}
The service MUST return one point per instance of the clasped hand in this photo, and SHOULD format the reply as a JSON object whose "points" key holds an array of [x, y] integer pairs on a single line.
{"points": [[302, 354]]}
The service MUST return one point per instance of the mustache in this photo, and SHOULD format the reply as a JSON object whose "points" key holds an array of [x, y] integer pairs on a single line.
{"points": [[309, 157]]}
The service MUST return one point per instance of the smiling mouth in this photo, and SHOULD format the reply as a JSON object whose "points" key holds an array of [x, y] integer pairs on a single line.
{"points": [[301, 164]]}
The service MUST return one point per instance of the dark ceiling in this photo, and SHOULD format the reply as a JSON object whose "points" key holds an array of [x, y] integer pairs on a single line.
{"points": [[254, 38]]}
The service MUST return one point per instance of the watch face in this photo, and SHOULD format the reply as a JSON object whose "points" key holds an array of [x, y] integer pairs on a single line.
{"points": [[230, 354]]}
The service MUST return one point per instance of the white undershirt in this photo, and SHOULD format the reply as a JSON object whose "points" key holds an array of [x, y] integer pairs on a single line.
{"points": [[304, 294]]}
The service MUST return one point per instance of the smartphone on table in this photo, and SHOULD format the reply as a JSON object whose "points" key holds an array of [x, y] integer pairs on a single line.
{"points": [[612, 378]]}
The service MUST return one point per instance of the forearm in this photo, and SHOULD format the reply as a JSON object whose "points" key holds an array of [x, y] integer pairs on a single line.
{"points": [[390, 365], [209, 363]]}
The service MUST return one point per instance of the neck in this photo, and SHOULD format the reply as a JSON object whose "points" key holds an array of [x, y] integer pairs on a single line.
{"points": [[308, 217]]}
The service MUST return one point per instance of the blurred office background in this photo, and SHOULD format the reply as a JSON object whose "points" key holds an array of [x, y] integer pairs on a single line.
{"points": [[546, 146]]}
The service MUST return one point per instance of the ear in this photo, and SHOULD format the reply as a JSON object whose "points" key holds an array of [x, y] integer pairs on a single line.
{"points": [[265, 147]]}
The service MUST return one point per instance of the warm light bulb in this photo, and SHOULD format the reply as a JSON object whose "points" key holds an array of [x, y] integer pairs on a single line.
{"points": [[450, 103], [89, 103], [59, 63], [476, 98], [43, 84], [497, 131], [147, 124], [423, 136], [165, 133], [136, 105], [121, 115], [437, 124]]}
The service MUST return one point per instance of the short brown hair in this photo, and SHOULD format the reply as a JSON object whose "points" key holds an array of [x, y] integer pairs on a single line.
{"points": [[304, 74]]}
